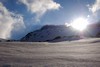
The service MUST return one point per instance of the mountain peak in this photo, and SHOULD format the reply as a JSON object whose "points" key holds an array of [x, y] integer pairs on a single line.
{"points": [[58, 33]]}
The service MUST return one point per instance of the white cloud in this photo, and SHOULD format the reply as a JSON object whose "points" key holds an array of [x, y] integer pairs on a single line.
{"points": [[8, 22], [95, 6], [40, 6]]}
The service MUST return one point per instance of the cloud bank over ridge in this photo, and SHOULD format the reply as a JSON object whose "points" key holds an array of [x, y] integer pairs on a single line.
{"points": [[12, 23], [9, 22]]}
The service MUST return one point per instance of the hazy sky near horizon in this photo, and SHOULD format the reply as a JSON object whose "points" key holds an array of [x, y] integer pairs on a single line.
{"points": [[18, 17]]}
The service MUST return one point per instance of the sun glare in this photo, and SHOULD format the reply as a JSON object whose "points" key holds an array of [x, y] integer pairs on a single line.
{"points": [[79, 24]]}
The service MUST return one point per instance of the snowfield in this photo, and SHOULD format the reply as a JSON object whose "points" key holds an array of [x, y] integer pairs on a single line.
{"points": [[78, 53]]}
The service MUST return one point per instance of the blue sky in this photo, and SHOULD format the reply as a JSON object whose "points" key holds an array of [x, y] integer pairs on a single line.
{"points": [[28, 15]]}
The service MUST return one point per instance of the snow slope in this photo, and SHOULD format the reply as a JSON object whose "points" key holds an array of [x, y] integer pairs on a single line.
{"points": [[60, 33], [50, 32]]}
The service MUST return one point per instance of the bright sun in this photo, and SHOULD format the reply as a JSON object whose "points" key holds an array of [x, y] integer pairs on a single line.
{"points": [[79, 24]]}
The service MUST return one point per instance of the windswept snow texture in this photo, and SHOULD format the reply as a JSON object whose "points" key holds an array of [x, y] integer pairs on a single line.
{"points": [[80, 53]]}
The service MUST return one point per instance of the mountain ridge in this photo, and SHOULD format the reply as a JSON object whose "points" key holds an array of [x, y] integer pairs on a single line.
{"points": [[51, 33]]}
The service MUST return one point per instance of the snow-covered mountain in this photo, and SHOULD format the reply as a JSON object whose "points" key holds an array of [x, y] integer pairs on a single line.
{"points": [[93, 30], [50, 33], [59, 33]]}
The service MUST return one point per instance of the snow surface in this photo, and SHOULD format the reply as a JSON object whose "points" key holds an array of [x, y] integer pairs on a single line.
{"points": [[79, 53]]}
